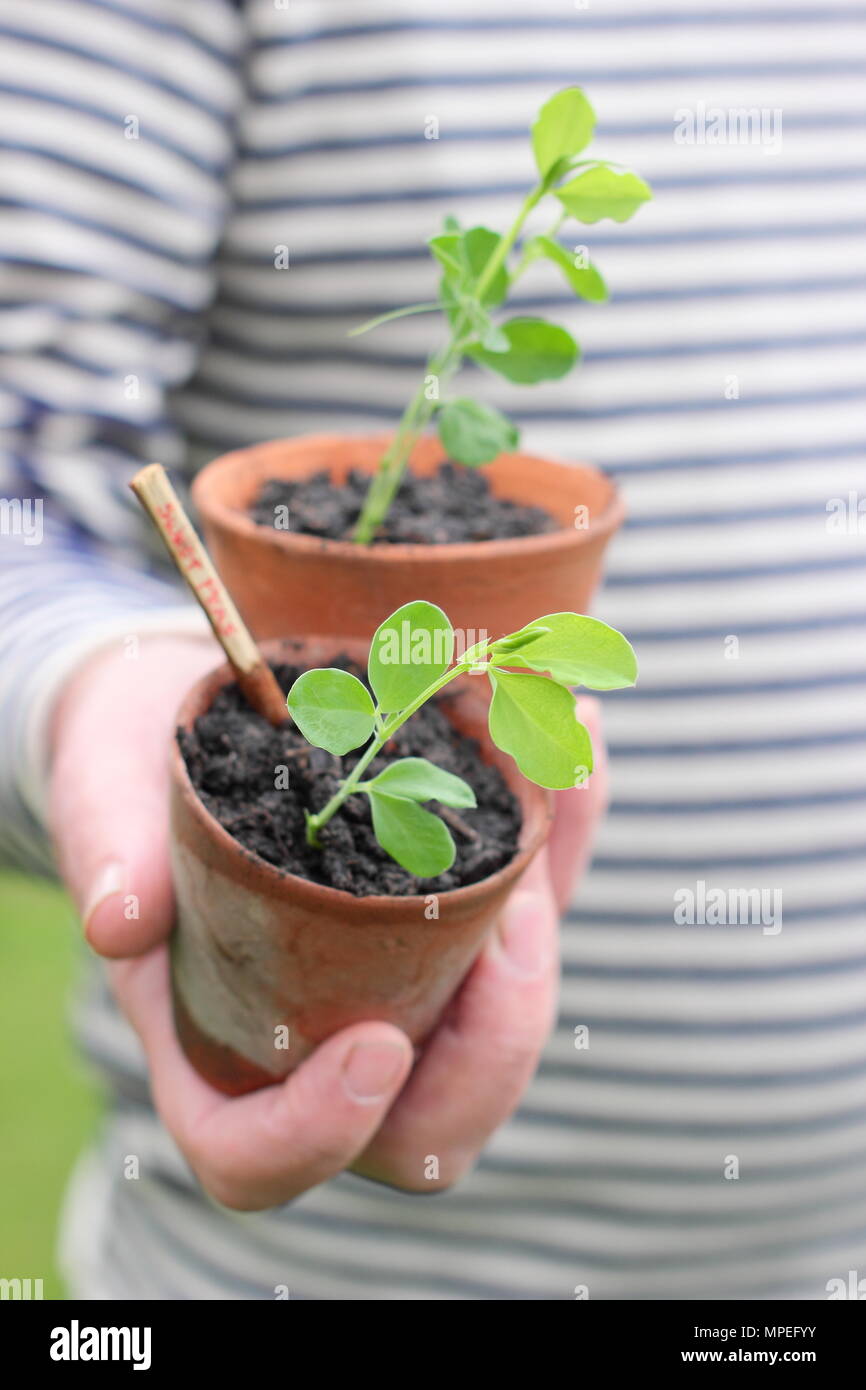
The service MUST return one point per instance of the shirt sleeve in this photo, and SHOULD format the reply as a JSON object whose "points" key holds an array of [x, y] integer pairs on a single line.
{"points": [[116, 143]]}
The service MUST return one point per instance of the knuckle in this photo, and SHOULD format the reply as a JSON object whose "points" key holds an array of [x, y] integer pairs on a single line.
{"points": [[224, 1190], [517, 1050], [220, 1181], [326, 1154], [320, 1152]]}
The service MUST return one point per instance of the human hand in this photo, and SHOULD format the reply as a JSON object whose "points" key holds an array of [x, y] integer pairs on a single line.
{"points": [[348, 1103], [476, 1066]]}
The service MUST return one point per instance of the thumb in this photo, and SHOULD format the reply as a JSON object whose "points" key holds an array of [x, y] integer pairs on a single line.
{"points": [[109, 792], [579, 812]]}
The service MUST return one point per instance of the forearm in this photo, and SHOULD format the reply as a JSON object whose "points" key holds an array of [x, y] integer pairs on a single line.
{"points": [[56, 608], [108, 233]]}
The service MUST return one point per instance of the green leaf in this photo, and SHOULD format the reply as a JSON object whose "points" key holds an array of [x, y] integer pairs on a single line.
{"points": [[563, 127], [450, 304], [534, 720], [565, 166], [471, 316], [410, 650], [584, 280], [446, 248], [537, 351], [516, 640], [473, 434], [332, 709], [463, 256], [450, 223], [477, 246], [419, 841], [493, 339], [419, 780], [603, 192], [577, 650]]}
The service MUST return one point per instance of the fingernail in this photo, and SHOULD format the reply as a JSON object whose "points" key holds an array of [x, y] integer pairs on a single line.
{"points": [[521, 935], [108, 882], [371, 1069]]}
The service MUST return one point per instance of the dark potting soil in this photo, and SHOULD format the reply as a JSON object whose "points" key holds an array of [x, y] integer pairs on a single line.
{"points": [[455, 504], [234, 759]]}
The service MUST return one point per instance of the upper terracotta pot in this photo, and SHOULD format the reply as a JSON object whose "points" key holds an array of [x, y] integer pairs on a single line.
{"points": [[257, 950], [287, 583]]}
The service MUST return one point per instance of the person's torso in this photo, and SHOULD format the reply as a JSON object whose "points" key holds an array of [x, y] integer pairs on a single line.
{"points": [[705, 1137]]}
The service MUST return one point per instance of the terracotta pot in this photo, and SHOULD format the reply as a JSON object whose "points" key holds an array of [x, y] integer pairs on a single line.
{"points": [[256, 949], [300, 584]]}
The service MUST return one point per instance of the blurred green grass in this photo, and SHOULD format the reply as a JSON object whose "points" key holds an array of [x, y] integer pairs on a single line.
{"points": [[48, 1105]]}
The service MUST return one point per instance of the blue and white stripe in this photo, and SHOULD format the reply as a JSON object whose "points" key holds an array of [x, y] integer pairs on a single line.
{"points": [[303, 126]]}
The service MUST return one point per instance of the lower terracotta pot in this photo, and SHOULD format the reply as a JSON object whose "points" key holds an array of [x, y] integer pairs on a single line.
{"points": [[283, 582], [257, 951]]}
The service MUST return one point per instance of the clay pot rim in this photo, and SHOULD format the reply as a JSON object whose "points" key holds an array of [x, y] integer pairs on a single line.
{"points": [[233, 519], [281, 884]]}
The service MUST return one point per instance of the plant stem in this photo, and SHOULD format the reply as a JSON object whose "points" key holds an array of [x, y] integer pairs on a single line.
{"points": [[389, 728], [524, 260], [502, 251], [392, 465], [421, 408]]}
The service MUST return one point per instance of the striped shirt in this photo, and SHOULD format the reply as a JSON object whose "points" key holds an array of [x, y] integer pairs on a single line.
{"points": [[160, 160]]}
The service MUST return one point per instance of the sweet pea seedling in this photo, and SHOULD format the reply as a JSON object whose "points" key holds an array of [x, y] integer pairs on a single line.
{"points": [[477, 278], [532, 717]]}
